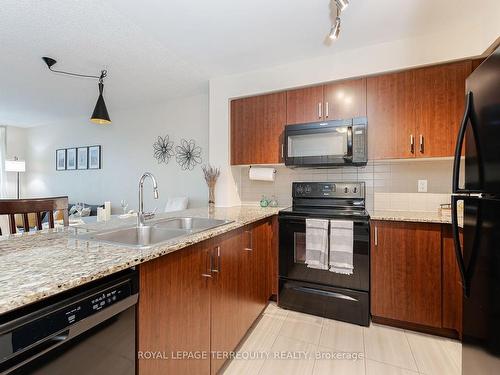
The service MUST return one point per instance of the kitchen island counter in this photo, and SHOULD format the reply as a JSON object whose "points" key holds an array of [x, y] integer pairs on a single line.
{"points": [[40, 264]]}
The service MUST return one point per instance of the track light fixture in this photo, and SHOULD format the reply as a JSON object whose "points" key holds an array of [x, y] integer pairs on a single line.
{"points": [[335, 30], [100, 115], [340, 5]]}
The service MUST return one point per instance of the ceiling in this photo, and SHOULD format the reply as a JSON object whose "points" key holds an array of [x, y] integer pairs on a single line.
{"points": [[160, 49]]}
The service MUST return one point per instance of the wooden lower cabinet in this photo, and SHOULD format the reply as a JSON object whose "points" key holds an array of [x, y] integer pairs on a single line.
{"points": [[452, 283], [174, 312], [414, 277], [225, 293], [406, 272], [203, 299]]}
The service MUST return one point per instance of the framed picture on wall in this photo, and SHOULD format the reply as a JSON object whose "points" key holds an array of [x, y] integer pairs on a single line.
{"points": [[71, 158], [82, 157], [61, 160], [95, 157]]}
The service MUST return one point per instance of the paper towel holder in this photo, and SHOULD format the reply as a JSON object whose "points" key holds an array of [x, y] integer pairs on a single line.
{"points": [[255, 166]]}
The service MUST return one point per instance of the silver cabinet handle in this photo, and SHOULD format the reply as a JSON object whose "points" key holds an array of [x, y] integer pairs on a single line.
{"points": [[320, 110], [282, 150], [217, 270], [327, 109], [412, 144], [210, 266], [376, 235], [250, 241], [421, 144]]}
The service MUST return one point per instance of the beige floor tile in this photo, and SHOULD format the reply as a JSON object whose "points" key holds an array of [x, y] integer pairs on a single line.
{"points": [[431, 355], [244, 366], [263, 334], [454, 349], [342, 336], [284, 346], [379, 368], [388, 345], [273, 310], [302, 327], [329, 364]]}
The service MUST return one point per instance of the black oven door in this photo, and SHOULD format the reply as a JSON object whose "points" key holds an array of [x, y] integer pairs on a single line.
{"points": [[292, 252]]}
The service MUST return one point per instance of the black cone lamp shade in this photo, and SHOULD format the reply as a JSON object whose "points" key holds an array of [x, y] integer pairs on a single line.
{"points": [[100, 115]]}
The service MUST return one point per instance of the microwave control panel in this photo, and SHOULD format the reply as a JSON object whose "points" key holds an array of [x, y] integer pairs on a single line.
{"points": [[359, 142]]}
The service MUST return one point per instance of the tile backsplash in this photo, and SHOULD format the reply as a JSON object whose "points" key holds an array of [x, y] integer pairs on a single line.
{"points": [[389, 184]]}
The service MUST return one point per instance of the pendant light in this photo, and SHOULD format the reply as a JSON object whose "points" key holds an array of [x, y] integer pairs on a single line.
{"points": [[100, 115]]}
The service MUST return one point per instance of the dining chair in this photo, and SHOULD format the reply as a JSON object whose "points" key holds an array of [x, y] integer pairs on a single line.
{"points": [[36, 206]]}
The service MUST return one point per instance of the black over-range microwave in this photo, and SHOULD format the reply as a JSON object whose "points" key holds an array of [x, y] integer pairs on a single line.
{"points": [[329, 143]]}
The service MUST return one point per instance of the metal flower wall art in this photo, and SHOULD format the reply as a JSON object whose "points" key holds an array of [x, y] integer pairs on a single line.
{"points": [[163, 149], [188, 154]]}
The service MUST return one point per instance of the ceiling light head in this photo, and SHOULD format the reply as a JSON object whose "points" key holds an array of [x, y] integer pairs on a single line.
{"points": [[100, 115], [342, 4], [49, 61], [335, 30]]}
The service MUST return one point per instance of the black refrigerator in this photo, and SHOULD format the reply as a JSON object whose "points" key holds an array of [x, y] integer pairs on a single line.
{"points": [[478, 255]]}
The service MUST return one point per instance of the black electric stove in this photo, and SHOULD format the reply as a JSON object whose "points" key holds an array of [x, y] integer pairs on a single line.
{"points": [[321, 292]]}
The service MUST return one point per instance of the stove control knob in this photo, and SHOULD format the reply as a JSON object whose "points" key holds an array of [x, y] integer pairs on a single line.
{"points": [[355, 190], [300, 189], [346, 190], [308, 189]]}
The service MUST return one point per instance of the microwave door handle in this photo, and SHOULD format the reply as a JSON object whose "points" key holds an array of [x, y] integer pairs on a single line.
{"points": [[348, 155]]}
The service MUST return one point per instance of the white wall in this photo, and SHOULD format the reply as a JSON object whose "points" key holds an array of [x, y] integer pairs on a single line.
{"points": [[447, 46], [127, 152], [16, 146]]}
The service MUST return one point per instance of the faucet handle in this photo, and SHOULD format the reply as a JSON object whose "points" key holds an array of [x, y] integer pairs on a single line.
{"points": [[148, 215]]}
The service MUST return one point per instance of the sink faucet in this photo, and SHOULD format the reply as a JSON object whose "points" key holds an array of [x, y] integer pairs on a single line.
{"points": [[141, 215]]}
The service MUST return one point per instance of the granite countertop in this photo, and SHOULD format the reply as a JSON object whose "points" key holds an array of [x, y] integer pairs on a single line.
{"points": [[40, 264], [413, 216]]}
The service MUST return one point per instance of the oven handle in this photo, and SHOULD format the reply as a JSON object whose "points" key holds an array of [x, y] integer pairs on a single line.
{"points": [[302, 220], [323, 293]]}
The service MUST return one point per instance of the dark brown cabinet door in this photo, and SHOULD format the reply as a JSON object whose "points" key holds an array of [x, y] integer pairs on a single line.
{"points": [[257, 125], [174, 311], [439, 101], [304, 105], [226, 329], [254, 272], [452, 284], [345, 99], [391, 115], [406, 272]]}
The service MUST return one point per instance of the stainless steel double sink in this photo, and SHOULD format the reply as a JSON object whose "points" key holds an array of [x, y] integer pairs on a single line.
{"points": [[157, 232]]}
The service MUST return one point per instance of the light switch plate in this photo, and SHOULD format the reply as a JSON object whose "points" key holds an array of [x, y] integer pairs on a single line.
{"points": [[422, 186]]}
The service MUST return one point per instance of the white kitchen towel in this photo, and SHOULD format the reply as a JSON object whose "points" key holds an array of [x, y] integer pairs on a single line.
{"points": [[341, 246], [317, 243]]}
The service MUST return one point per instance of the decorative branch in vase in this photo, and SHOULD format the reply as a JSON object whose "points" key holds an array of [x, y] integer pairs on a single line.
{"points": [[211, 176]]}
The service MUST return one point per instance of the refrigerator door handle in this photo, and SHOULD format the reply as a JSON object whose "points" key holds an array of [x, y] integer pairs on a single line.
{"points": [[456, 238], [459, 144], [466, 272]]}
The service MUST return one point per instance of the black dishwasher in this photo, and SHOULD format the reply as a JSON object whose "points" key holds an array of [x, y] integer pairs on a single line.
{"points": [[86, 330]]}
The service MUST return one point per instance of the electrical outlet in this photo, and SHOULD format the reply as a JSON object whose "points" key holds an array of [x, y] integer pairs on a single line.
{"points": [[422, 186]]}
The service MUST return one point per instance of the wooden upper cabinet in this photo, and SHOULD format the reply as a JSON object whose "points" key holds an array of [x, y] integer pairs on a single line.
{"points": [[439, 101], [391, 115], [406, 272], [345, 99], [257, 125], [304, 105]]}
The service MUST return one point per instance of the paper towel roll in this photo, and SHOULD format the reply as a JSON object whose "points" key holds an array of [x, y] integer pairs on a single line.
{"points": [[262, 174]]}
